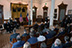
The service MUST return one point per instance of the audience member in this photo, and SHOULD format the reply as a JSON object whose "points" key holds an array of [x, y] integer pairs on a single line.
{"points": [[56, 28], [50, 33], [67, 44], [36, 26], [41, 38], [14, 35], [25, 33], [45, 30], [5, 25], [27, 45], [41, 27], [61, 32], [32, 39], [19, 43], [66, 38], [8, 27], [43, 45], [57, 44], [68, 28]]}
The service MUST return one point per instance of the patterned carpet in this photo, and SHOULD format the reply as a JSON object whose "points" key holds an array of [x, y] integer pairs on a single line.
{"points": [[4, 38]]}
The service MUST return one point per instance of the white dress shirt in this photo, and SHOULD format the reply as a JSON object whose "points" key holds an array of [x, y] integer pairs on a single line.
{"points": [[41, 38]]}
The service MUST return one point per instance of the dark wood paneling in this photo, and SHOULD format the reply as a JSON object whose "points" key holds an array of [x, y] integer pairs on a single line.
{"points": [[1, 12]]}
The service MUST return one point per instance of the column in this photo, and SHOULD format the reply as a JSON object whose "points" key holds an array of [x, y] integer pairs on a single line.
{"points": [[52, 12], [31, 12]]}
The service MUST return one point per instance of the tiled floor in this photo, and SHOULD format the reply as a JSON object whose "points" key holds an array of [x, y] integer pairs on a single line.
{"points": [[4, 38]]}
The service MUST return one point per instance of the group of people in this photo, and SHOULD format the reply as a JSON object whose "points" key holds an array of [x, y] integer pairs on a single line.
{"points": [[10, 25], [40, 33]]}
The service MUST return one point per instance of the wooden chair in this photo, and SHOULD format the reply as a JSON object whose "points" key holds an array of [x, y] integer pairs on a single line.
{"points": [[27, 37], [13, 41], [23, 38], [34, 45], [50, 41]]}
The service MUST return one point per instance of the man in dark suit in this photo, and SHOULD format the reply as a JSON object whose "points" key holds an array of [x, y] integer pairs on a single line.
{"points": [[10, 19], [61, 32], [19, 43], [57, 44], [46, 25], [36, 26], [5, 25], [25, 33], [32, 39], [51, 33], [14, 35], [66, 22], [56, 28], [67, 44], [41, 27], [68, 28], [8, 27]]}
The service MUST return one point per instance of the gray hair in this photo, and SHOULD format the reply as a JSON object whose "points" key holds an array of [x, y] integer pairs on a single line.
{"points": [[66, 38], [18, 37], [27, 45], [43, 45], [57, 42]]}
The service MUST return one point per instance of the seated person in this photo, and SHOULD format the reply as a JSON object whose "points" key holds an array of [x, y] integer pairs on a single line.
{"points": [[25, 33], [66, 38], [15, 23], [33, 31], [43, 45], [14, 35], [8, 27], [27, 45], [68, 29], [5, 25], [52, 32], [45, 29], [67, 44], [35, 26], [61, 32], [41, 27], [49, 35], [12, 26], [46, 25], [57, 44], [32, 39], [10, 19], [19, 43], [41, 38], [56, 28]]}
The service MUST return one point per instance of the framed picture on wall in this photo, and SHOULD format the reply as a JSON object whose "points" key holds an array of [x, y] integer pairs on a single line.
{"points": [[55, 13], [69, 12]]}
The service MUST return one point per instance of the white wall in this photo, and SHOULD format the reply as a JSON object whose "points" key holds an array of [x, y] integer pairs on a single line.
{"points": [[38, 3], [57, 2]]}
